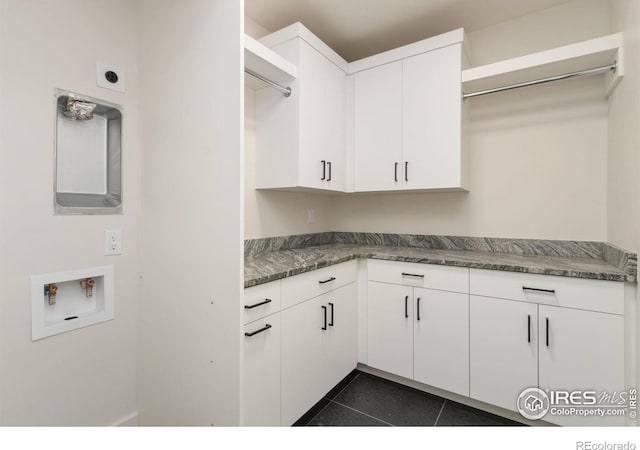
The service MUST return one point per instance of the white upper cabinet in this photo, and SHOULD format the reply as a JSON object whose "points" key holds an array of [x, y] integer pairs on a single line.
{"points": [[408, 118], [301, 139], [377, 128], [432, 146]]}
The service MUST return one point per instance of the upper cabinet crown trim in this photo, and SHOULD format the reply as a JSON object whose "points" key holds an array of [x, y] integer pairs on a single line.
{"points": [[297, 30], [426, 45], [557, 61]]}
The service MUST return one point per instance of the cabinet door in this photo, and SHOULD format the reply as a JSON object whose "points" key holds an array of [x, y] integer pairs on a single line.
{"points": [[390, 328], [441, 339], [302, 363], [341, 343], [503, 352], [262, 372], [585, 351], [431, 115], [322, 118], [377, 132]]}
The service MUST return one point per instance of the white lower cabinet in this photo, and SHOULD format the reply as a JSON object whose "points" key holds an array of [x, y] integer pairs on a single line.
{"points": [[441, 340], [539, 338], [584, 352], [390, 328], [262, 372], [319, 348], [484, 334], [300, 340], [416, 332], [503, 350]]}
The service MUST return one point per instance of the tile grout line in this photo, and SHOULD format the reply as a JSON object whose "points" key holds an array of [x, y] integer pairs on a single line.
{"points": [[343, 389], [314, 417], [331, 400], [363, 413], [440, 413]]}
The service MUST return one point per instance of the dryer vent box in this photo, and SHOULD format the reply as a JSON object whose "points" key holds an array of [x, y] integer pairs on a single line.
{"points": [[88, 155]]}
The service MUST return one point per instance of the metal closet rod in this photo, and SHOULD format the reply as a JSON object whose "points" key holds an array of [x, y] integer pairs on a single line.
{"points": [[581, 73], [285, 90]]}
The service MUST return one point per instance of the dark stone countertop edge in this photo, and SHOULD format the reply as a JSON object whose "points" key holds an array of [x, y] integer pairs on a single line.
{"points": [[600, 275]]}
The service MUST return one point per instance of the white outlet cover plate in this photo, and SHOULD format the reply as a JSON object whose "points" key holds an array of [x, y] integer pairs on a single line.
{"points": [[102, 69], [116, 237]]}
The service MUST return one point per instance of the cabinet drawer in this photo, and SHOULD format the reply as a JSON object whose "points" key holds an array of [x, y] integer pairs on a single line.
{"points": [[308, 285], [262, 372], [261, 300], [429, 276], [592, 295]]}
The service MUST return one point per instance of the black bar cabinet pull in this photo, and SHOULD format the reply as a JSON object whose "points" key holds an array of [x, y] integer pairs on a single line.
{"points": [[404, 274], [529, 328], [395, 176], [324, 170], [547, 331], [418, 308], [327, 280], [406, 171], [331, 323], [324, 308], [329, 164], [550, 291], [266, 300], [265, 328], [406, 310]]}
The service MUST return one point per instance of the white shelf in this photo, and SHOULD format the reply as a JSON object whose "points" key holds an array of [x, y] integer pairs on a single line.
{"points": [[264, 61], [570, 58]]}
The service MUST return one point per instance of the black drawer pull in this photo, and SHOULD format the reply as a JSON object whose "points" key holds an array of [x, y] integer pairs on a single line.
{"points": [[550, 291], [267, 300], [329, 164], [529, 328], [324, 170], [331, 323], [265, 328], [328, 280], [418, 308], [395, 176], [406, 171], [406, 311], [412, 275], [324, 308]]}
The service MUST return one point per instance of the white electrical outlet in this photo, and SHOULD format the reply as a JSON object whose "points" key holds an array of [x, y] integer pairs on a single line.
{"points": [[311, 215], [112, 242]]}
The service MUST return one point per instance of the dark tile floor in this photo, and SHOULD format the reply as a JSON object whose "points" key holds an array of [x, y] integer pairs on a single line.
{"points": [[362, 399]]}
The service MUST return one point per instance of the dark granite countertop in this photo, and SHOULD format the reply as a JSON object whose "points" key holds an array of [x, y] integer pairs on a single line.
{"points": [[269, 266]]}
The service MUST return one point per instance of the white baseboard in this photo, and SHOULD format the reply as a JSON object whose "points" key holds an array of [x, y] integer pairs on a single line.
{"points": [[129, 421]]}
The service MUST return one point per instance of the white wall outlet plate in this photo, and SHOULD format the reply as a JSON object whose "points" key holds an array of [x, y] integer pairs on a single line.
{"points": [[111, 77], [112, 242]]}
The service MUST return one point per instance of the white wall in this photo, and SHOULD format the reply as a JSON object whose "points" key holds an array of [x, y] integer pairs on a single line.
{"points": [[269, 213], [191, 226], [537, 156], [569, 22], [87, 376], [623, 159]]}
